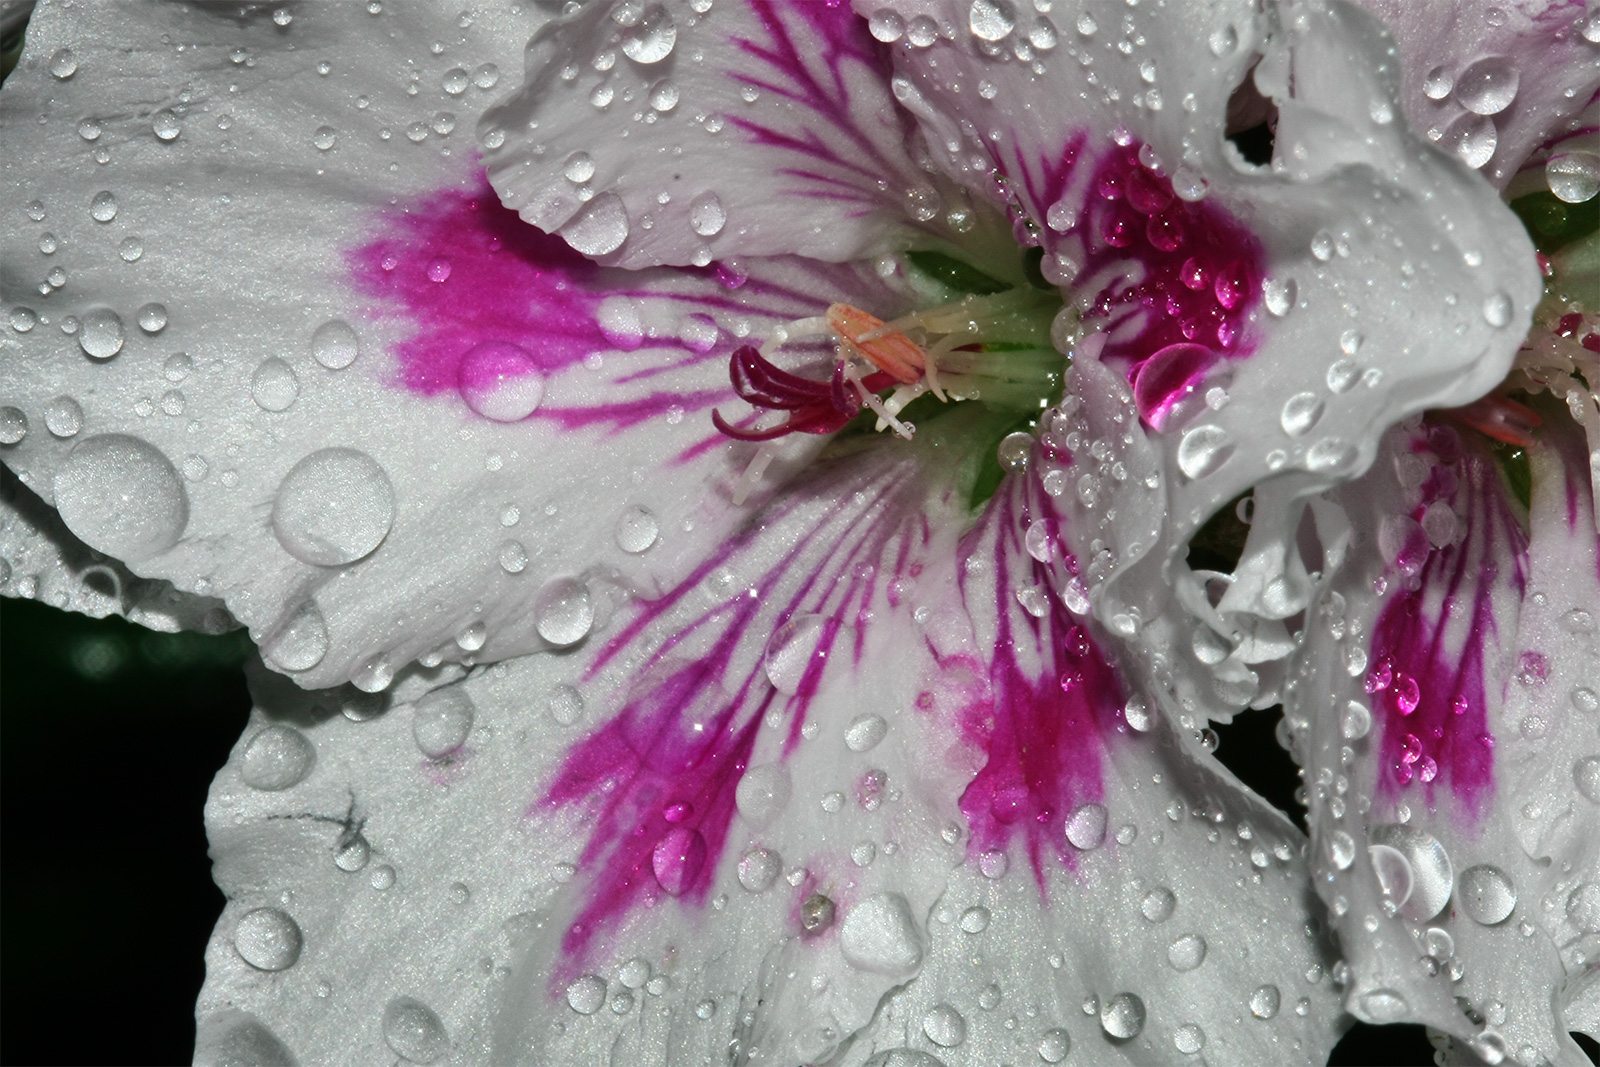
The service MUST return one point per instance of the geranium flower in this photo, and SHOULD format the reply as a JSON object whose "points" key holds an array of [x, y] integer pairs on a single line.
{"points": [[740, 609]]}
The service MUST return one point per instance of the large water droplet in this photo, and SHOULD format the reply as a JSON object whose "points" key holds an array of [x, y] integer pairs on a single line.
{"points": [[1158, 904], [1573, 176], [1300, 413], [101, 334], [413, 1031], [903, 1057], [1187, 952], [865, 732], [586, 995], [121, 496], [758, 869], [677, 859], [563, 612], [1486, 894], [274, 386], [63, 63], [500, 381], [1203, 449], [333, 507], [1122, 1017], [1488, 86], [442, 721], [600, 228], [301, 642], [944, 1026], [579, 167], [103, 206], [1331, 455], [1384, 1005], [1341, 849], [1054, 1044], [1279, 294], [637, 530], [268, 939], [166, 125], [1357, 720], [335, 344], [1497, 309], [650, 39], [1264, 1002], [353, 854], [1224, 41], [886, 25], [763, 793], [707, 215], [1086, 826], [13, 425], [152, 318], [277, 758], [63, 417], [880, 935], [991, 20], [1438, 83], [1471, 137], [1189, 1039], [794, 649]]}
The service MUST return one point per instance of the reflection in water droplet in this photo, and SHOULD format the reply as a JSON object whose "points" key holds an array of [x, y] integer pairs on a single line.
{"points": [[991, 20], [793, 650], [651, 38], [1573, 176], [1203, 449], [1471, 137]]}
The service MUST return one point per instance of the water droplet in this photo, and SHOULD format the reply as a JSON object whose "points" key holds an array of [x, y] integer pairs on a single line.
{"points": [[1486, 894], [23, 319], [120, 495], [166, 125], [1331, 455], [1357, 721], [324, 137], [103, 207], [1384, 1005], [678, 859], [1341, 849], [637, 530], [333, 507], [1203, 449], [1584, 699], [101, 335], [663, 96], [1158, 904], [63, 63], [1086, 827], [63, 417], [1488, 86], [650, 39], [563, 611], [816, 913], [1054, 1044], [382, 877], [1586, 776], [1223, 41], [579, 167], [1264, 1002], [1279, 294], [335, 345], [991, 20], [513, 557], [13, 425], [975, 920], [942, 1024], [442, 721], [152, 318], [763, 793], [880, 935], [277, 758], [865, 732], [1497, 309], [274, 385], [706, 215], [1300, 413], [1471, 137], [1573, 176], [500, 381], [564, 704], [600, 228], [1187, 952], [759, 869], [1438, 84], [1122, 1017], [413, 1032], [268, 939], [131, 249], [1189, 1039], [353, 854], [301, 642], [1322, 245], [886, 25], [794, 650]]}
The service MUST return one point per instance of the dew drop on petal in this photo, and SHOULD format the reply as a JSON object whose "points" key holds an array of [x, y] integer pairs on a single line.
{"points": [[651, 37], [1189, 1039], [944, 1026], [335, 345], [1586, 776], [1438, 84], [500, 381], [759, 869], [274, 386], [353, 855], [1488, 86], [277, 758], [1187, 952], [865, 732], [1331, 455], [637, 530], [1265, 1001], [886, 25], [101, 334], [1583, 907], [413, 1032], [991, 20], [707, 216], [1158, 904], [152, 318], [792, 651], [600, 228], [166, 125], [63, 64], [579, 167], [1341, 849], [1384, 1005], [1497, 309], [880, 935], [1356, 722], [677, 859], [13, 425], [1279, 294], [268, 939], [975, 920], [664, 96], [513, 557], [1573, 177], [442, 720], [763, 793], [119, 494], [63, 417], [103, 206], [1300, 413], [563, 611], [586, 995], [1086, 826], [1203, 449], [1473, 138], [1122, 1016], [1054, 1044], [334, 507], [1486, 894], [301, 642]]}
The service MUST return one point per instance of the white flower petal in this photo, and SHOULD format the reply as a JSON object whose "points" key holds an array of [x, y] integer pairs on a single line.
{"points": [[762, 129], [1447, 725]]}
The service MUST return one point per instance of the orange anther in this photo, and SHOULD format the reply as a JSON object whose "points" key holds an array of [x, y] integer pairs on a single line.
{"points": [[893, 353]]}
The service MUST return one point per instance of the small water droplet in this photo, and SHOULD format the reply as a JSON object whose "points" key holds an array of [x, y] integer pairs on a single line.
{"points": [[763, 793], [1497, 309], [335, 345], [277, 758], [131, 249], [1438, 84], [268, 939], [1054, 1044], [600, 228], [101, 334], [579, 167], [795, 650], [663, 96], [166, 125], [1471, 137], [1224, 41], [1158, 904], [1356, 722], [880, 935], [500, 381], [1486, 894], [1279, 294], [1086, 826], [1187, 952], [1341, 849], [1203, 449], [103, 206], [677, 859], [706, 215], [324, 137], [886, 25], [301, 642], [442, 721], [63, 417], [637, 530], [865, 732], [1322, 245], [1300, 413], [1189, 1039], [1331, 455], [513, 557], [413, 1032], [13, 425]]}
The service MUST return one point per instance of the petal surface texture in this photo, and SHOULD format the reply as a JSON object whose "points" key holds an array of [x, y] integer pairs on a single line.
{"points": [[1446, 717]]}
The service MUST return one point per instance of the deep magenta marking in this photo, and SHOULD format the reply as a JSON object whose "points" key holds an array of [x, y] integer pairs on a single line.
{"points": [[1427, 682], [1042, 731]]}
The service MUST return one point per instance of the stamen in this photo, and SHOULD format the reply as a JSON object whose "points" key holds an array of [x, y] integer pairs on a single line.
{"points": [[752, 473], [888, 350], [885, 417]]}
